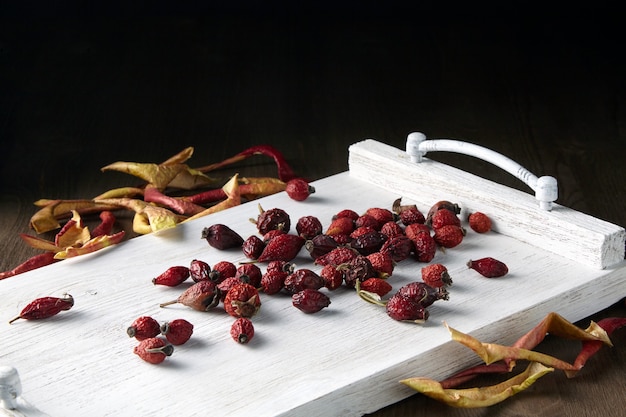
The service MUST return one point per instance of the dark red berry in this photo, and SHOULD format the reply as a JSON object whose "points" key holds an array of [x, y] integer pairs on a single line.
{"points": [[337, 256], [242, 300], [489, 267], [425, 247], [252, 247], [449, 236], [404, 309], [177, 332], [172, 276], [413, 229], [222, 237], [272, 219], [273, 281], [272, 234], [423, 294], [301, 279], [144, 327], [444, 217], [411, 216], [347, 213], [479, 222], [376, 285], [282, 248], [229, 283], [153, 350], [391, 229], [382, 264], [382, 215], [199, 270], [45, 307], [398, 247], [366, 220], [223, 270], [299, 189], [332, 276], [445, 204], [340, 226], [310, 301], [436, 275], [368, 242], [242, 330], [357, 269], [252, 272], [201, 296], [320, 245], [308, 227]]}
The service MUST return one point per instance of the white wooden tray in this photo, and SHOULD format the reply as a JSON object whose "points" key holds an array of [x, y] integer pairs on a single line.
{"points": [[344, 361]]}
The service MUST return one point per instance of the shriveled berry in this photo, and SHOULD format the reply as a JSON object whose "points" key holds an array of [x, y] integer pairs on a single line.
{"points": [[309, 226], [425, 247], [398, 247], [449, 236], [229, 283], [144, 327], [436, 275], [252, 272], [422, 293], [404, 309], [366, 220], [411, 215], [201, 296], [444, 217], [337, 256], [391, 229], [222, 270], [332, 276], [320, 245], [361, 231], [343, 239], [347, 213], [242, 300], [340, 226], [413, 229], [299, 189], [479, 222], [274, 218], [489, 267], [273, 281], [358, 269], [443, 204], [222, 237], [272, 234], [199, 270], [282, 248], [177, 331], [252, 247], [382, 264], [376, 285], [310, 301], [282, 266], [382, 215], [242, 330], [153, 350], [172, 276], [368, 242], [301, 279]]}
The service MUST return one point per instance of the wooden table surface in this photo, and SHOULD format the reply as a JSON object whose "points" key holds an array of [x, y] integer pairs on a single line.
{"points": [[81, 88]]}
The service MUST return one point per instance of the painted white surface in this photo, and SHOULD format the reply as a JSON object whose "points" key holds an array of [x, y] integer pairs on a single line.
{"points": [[344, 361]]}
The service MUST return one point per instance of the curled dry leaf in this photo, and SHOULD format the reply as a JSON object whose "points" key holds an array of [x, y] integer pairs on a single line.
{"points": [[148, 217], [90, 246], [47, 218], [233, 198]]}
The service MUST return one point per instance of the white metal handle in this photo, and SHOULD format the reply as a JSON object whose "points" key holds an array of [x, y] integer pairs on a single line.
{"points": [[545, 187]]}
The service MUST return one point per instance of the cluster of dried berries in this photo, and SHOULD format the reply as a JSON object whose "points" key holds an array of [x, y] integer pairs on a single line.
{"points": [[152, 348]]}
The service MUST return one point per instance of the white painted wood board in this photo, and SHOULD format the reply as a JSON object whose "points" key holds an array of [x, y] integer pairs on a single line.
{"points": [[344, 361]]}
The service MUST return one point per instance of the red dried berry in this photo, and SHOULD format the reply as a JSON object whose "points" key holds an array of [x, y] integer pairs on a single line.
{"points": [[242, 300], [449, 236], [425, 247], [308, 227], [376, 285], [223, 270], [282, 266], [342, 239], [301, 279], [45, 307], [177, 332], [282, 248], [299, 189], [153, 350], [273, 281], [444, 217], [422, 293], [368, 242], [358, 269], [404, 309], [229, 283], [222, 237], [398, 247], [340, 226], [391, 229], [366, 220], [382, 264], [320, 245], [310, 301], [333, 277], [382, 215], [199, 270], [479, 222], [337, 256], [172, 276], [201, 296], [242, 330], [489, 267], [252, 247], [272, 234], [144, 327], [436, 275], [414, 229], [272, 219], [443, 204], [361, 231], [347, 213], [411, 215], [252, 272]]}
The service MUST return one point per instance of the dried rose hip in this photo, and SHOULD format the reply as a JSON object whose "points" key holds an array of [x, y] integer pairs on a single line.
{"points": [[489, 267], [301, 279], [201, 296], [273, 281], [368, 242], [445, 204], [153, 350], [366, 220], [425, 247], [252, 272], [310, 301], [308, 227], [332, 276], [414, 229], [177, 332], [272, 234], [411, 216], [252, 247], [229, 283], [376, 285], [223, 270], [444, 217], [44, 307], [479, 222], [436, 275], [357, 269], [172, 276], [320, 245], [199, 270], [398, 247], [340, 226], [391, 229], [347, 213], [282, 266], [382, 264], [242, 330], [242, 300], [272, 219], [422, 293], [449, 236], [337, 256], [382, 215], [144, 327], [222, 237], [299, 189], [405, 309], [283, 247]]}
